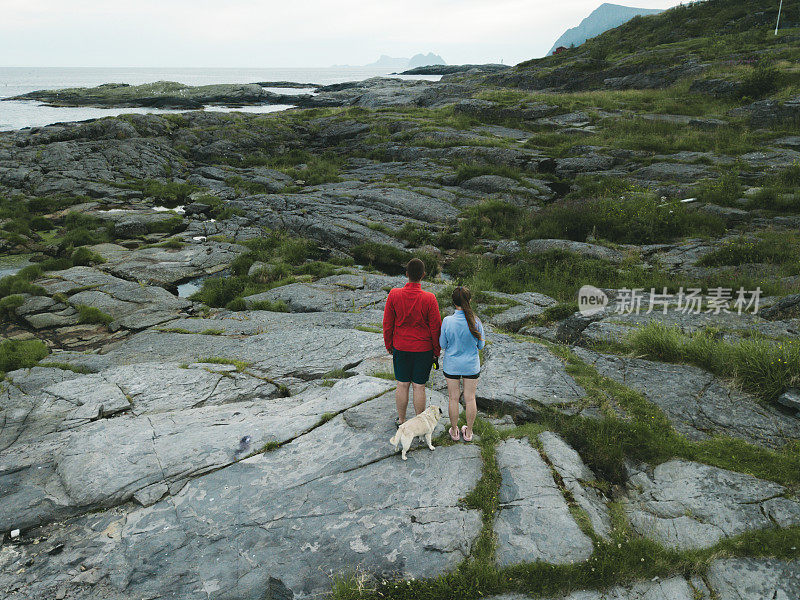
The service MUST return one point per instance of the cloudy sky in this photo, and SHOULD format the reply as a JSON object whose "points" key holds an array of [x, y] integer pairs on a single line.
{"points": [[271, 33]]}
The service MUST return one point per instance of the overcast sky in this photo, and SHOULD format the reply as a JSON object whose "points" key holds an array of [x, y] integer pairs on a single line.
{"points": [[293, 33]]}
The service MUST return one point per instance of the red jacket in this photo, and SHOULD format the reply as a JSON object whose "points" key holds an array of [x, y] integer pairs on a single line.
{"points": [[411, 320]]}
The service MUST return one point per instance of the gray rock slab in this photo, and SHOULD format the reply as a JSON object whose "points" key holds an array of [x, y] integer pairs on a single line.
{"points": [[51, 320], [534, 522], [491, 184], [254, 322], [305, 353], [133, 306], [319, 297], [525, 306], [35, 378], [107, 461], [517, 374], [685, 504], [673, 588], [505, 132], [335, 501], [339, 215], [786, 306], [582, 248], [577, 479], [668, 171], [151, 387], [584, 164], [790, 399], [167, 267], [745, 578], [615, 327], [697, 403]]}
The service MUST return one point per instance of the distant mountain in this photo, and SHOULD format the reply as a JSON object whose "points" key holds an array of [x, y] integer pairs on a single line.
{"points": [[390, 62], [401, 64], [424, 60], [604, 17]]}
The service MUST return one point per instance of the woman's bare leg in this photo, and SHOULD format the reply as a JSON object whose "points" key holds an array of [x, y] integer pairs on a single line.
{"points": [[470, 389], [454, 392]]}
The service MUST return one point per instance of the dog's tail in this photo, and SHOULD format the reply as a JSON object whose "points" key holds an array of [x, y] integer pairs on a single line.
{"points": [[396, 437]]}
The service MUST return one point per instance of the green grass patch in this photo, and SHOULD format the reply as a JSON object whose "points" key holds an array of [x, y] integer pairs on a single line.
{"points": [[270, 306], [467, 171], [325, 418], [382, 256], [391, 259], [336, 374], [553, 314], [664, 137], [285, 259], [66, 367], [560, 274], [414, 234], [777, 248], [388, 375], [21, 282], [646, 435], [21, 354], [779, 192], [270, 446], [634, 218], [631, 217], [724, 190], [85, 257], [240, 365], [317, 170], [761, 366], [9, 305], [93, 315], [167, 193], [486, 494]]}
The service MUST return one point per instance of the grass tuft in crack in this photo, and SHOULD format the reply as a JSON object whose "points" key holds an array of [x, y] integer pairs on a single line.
{"points": [[240, 365]]}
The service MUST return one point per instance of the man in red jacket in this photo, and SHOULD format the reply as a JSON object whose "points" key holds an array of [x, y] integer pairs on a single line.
{"points": [[411, 323]]}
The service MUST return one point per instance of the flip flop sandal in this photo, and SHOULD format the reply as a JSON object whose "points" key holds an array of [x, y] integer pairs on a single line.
{"points": [[464, 434], [455, 437]]}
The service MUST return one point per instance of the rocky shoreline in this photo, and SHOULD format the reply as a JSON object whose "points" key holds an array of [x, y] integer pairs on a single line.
{"points": [[373, 92], [234, 443]]}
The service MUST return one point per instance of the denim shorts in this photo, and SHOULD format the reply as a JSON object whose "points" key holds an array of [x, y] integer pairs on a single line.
{"points": [[448, 376]]}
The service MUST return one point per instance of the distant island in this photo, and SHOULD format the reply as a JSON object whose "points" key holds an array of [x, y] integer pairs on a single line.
{"points": [[604, 17], [401, 64]]}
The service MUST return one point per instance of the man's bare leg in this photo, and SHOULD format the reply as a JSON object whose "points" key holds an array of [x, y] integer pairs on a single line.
{"points": [[419, 398], [401, 399]]}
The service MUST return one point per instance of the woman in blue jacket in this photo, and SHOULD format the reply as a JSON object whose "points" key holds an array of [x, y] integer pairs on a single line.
{"points": [[461, 338]]}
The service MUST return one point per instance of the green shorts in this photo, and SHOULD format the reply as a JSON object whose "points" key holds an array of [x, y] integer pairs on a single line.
{"points": [[412, 366]]}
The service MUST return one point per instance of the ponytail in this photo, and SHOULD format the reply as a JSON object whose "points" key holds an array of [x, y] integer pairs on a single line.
{"points": [[461, 298]]}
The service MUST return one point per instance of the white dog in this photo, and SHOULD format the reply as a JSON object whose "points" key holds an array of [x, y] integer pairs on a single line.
{"points": [[421, 425]]}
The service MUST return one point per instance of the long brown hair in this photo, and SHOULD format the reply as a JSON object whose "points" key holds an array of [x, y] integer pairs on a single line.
{"points": [[461, 298]]}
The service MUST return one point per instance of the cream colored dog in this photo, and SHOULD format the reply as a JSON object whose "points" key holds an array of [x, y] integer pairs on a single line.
{"points": [[421, 425]]}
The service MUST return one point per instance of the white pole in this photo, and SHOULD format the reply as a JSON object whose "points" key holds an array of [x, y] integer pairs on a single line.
{"points": [[780, 8]]}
